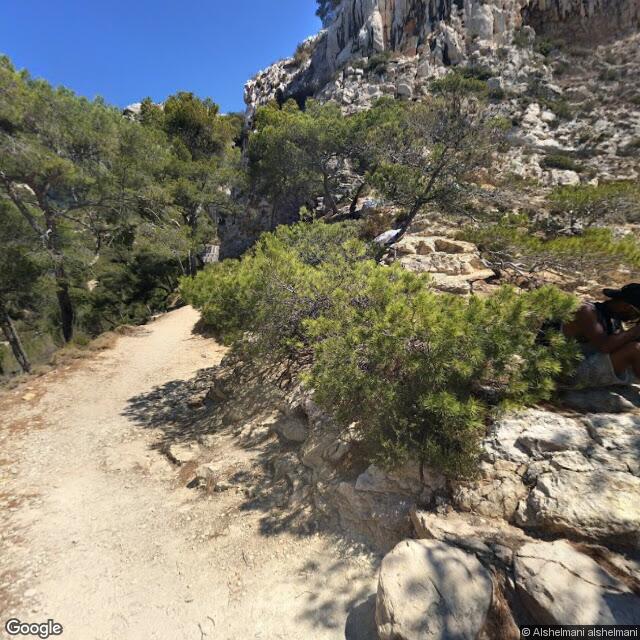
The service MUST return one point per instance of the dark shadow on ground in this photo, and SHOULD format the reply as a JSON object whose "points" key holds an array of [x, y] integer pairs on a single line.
{"points": [[361, 623], [183, 415], [180, 412]]}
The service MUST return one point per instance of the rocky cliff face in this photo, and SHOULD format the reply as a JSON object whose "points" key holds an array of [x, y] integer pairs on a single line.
{"points": [[432, 35]]}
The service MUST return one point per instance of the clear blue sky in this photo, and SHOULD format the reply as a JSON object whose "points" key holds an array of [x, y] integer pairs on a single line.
{"points": [[125, 50]]}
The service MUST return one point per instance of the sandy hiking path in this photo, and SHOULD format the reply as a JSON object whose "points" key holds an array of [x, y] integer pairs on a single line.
{"points": [[100, 532]]}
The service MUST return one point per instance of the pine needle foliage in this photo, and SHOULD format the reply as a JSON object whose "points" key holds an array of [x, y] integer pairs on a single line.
{"points": [[516, 247], [417, 372]]}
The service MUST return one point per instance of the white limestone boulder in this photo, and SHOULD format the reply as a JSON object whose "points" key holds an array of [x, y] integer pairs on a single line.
{"points": [[560, 585], [429, 590]]}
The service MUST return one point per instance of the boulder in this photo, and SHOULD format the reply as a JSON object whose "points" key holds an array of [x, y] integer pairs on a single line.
{"points": [[405, 480], [327, 445], [286, 466], [598, 505], [292, 426], [563, 178], [607, 400], [559, 585], [430, 590], [494, 541], [497, 495], [383, 518], [404, 90], [206, 474], [533, 433]]}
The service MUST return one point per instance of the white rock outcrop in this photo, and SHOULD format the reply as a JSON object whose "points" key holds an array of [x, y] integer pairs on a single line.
{"points": [[560, 585], [453, 264], [429, 590]]}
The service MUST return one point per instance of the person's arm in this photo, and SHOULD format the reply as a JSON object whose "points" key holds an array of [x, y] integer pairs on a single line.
{"points": [[593, 331]]}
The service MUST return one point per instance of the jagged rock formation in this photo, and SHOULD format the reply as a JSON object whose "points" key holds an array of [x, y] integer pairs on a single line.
{"points": [[432, 34], [373, 48]]}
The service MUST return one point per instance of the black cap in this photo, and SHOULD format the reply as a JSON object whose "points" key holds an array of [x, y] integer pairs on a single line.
{"points": [[630, 294]]}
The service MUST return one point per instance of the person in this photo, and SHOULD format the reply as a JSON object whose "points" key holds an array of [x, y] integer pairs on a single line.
{"points": [[611, 352]]}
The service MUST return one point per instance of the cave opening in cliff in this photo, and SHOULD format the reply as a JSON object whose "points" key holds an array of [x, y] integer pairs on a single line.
{"points": [[300, 97]]}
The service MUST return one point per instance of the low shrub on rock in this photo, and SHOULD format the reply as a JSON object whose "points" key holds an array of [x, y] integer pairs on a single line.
{"points": [[518, 248], [417, 372]]}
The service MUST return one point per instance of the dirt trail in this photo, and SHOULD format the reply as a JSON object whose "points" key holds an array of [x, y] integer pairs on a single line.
{"points": [[100, 533]]}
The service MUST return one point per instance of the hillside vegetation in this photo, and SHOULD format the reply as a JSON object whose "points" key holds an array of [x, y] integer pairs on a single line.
{"points": [[385, 354], [102, 214], [99, 214]]}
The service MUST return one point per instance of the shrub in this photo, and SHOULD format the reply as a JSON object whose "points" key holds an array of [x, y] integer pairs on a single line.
{"points": [[515, 247], [417, 372], [607, 202], [282, 282], [560, 161], [219, 292], [609, 75], [378, 62], [303, 52], [496, 93], [477, 72], [375, 222], [560, 107], [547, 46], [521, 39]]}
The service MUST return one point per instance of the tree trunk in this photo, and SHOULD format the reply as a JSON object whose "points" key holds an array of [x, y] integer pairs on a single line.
{"points": [[193, 265], [404, 226], [13, 339], [192, 221], [49, 237], [64, 302], [62, 281], [356, 197]]}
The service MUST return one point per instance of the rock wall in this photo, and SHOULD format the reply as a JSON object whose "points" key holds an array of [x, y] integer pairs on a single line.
{"points": [[437, 33], [579, 99]]}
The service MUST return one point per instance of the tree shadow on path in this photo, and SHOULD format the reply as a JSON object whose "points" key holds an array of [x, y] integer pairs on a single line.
{"points": [[180, 414]]}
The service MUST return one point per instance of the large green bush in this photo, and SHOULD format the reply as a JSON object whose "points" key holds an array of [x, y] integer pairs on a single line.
{"points": [[418, 372]]}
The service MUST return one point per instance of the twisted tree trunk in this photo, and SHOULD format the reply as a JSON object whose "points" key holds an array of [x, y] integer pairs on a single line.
{"points": [[13, 339]]}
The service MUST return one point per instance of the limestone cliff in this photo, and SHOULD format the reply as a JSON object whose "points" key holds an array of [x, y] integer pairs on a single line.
{"points": [[432, 34]]}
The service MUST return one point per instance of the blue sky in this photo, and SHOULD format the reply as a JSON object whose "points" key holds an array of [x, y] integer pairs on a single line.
{"points": [[125, 50]]}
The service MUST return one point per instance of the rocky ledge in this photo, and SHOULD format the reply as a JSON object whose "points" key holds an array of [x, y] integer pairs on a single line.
{"points": [[453, 265], [549, 531], [549, 534]]}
